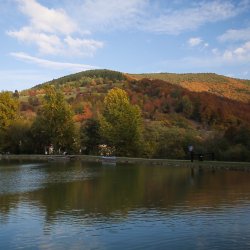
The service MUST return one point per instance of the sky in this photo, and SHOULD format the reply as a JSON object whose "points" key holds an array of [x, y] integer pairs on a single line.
{"points": [[42, 40]]}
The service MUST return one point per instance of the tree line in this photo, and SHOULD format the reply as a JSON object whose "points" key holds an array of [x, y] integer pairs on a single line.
{"points": [[121, 125]]}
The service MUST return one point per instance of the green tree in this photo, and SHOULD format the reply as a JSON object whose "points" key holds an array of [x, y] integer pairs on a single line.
{"points": [[8, 109], [17, 137], [54, 123], [196, 110], [187, 106], [174, 141], [169, 142], [8, 113], [121, 123], [90, 136]]}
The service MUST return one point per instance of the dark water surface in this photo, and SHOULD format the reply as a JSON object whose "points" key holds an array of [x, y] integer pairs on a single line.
{"points": [[89, 206]]}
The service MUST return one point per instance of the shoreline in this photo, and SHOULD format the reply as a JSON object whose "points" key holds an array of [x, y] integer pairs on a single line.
{"points": [[243, 166]]}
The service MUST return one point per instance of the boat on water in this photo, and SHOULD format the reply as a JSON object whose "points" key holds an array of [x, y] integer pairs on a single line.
{"points": [[109, 160]]}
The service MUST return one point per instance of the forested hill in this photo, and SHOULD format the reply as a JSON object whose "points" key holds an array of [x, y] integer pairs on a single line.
{"points": [[231, 88], [207, 99], [208, 110]]}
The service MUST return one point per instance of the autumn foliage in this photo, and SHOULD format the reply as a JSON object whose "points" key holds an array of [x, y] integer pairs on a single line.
{"points": [[207, 110]]}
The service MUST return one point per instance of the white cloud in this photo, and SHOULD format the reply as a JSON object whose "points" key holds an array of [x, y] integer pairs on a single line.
{"points": [[47, 20], [111, 14], [235, 35], [194, 41], [175, 22], [52, 44], [46, 43], [235, 58], [197, 42], [52, 64], [148, 15], [215, 51], [227, 56], [82, 46], [54, 32], [57, 32], [239, 54], [51, 31]]}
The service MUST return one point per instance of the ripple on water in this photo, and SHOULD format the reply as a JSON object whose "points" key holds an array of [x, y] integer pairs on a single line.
{"points": [[194, 217], [29, 177]]}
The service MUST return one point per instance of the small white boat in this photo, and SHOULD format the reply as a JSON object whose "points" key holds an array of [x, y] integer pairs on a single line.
{"points": [[109, 160]]}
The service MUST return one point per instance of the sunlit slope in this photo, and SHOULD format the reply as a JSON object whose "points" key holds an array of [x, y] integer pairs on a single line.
{"points": [[231, 88]]}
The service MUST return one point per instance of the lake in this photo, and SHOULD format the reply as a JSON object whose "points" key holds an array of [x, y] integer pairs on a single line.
{"points": [[76, 205]]}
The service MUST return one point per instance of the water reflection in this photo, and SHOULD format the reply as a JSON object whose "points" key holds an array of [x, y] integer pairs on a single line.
{"points": [[103, 191], [75, 199]]}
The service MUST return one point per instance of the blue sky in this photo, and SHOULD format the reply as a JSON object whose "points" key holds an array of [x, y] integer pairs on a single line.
{"points": [[45, 39]]}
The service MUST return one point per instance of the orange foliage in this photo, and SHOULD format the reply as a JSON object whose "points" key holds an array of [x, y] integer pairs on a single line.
{"points": [[211, 109], [32, 92], [28, 114], [233, 89], [87, 114]]}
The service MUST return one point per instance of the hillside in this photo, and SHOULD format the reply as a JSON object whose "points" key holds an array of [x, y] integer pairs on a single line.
{"points": [[207, 99], [220, 85], [231, 88], [208, 111]]}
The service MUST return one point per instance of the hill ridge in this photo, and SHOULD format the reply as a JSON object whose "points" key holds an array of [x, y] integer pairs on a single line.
{"points": [[220, 85]]}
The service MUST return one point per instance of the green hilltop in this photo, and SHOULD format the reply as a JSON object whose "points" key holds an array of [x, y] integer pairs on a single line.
{"points": [[83, 77]]}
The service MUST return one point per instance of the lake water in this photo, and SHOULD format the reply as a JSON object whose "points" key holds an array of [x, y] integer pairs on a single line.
{"points": [[90, 206]]}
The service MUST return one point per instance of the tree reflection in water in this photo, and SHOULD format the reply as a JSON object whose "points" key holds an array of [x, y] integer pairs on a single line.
{"points": [[85, 190]]}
